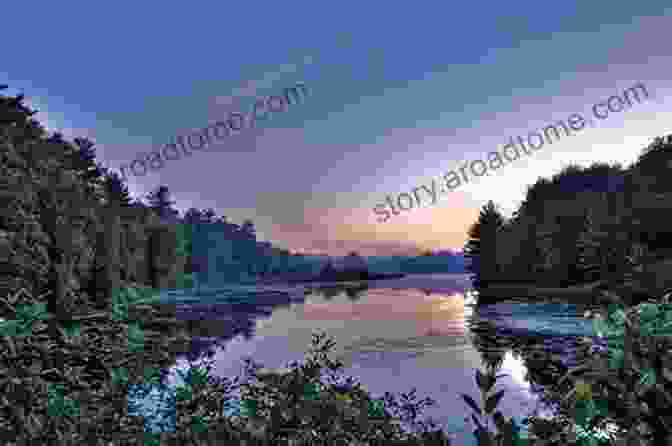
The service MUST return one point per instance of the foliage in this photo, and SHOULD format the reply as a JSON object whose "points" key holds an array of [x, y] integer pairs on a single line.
{"points": [[479, 248], [159, 201], [581, 225], [116, 190]]}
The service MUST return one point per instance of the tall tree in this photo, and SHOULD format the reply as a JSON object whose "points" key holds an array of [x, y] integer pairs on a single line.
{"points": [[38, 186], [480, 249], [116, 190], [590, 258], [91, 172], [247, 247], [192, 216], [208, 215], [160, 202]]}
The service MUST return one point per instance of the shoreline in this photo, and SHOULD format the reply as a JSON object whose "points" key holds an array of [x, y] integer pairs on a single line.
{"points": [[585, 293]]}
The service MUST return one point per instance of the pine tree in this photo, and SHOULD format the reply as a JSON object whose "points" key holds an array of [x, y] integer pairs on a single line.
{"points": [[192, 216], [481, 247], [116, 190], [159, 201], [91, 172], [38, 185], [248, 246], [590, 262]]}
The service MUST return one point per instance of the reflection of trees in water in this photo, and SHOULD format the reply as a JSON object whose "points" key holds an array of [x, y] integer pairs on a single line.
{"points": [[542, 367], [213, 326], [489, 343], [353, 292]]}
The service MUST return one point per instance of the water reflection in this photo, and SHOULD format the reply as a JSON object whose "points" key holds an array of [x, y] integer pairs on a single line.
{"points": [[352, 291], [394, 338], [214, 324]]}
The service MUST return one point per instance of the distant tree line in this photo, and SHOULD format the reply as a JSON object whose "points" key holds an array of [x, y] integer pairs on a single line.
{"points": [[54, 200]]}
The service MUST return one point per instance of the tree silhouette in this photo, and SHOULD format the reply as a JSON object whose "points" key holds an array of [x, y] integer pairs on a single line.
{"points": [[116, 190], [159, 201], [481, 246]]}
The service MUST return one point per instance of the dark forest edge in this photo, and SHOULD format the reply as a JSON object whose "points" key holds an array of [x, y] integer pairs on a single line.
{"points": [[601, 223]]}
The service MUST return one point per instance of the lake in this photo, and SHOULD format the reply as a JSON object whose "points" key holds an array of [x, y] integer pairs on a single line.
{"points": [[419, 331]]}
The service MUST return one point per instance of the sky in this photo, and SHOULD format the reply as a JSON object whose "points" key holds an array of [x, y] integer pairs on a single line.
{"points": [[398, 94]]}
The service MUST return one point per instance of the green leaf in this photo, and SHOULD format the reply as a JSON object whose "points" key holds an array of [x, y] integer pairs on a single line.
{"points": [[152, 375], [616, 359], [12, 327], [71, 328], [492, 401], [645, 330], [470, 401], [648, 311], [120, 375], [152, 438], [581, 416], [132, 295], [119, 312], [183, 393], [601, 407], [249, 408], [197, 376], [618, 317], [376, 408], [648, 377], [198, 424], [600, 327], [27, 312]]}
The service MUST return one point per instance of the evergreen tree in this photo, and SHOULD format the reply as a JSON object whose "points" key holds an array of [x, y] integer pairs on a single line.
{"points": [[84, 163], [159, 201], [192, 216], [38, 186], [247, 236], [209, 216], [116, 190], [589, 259], [481, 247]]}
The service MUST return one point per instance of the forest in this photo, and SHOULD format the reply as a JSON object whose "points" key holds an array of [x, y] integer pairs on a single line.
{"points": [[602, 223]]}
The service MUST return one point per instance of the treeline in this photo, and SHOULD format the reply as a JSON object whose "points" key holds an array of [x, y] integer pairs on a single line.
{"points": [[55, 200], [242, 254], [427, 263], [603, 222]]}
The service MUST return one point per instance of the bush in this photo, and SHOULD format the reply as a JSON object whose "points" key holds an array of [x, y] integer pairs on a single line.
{"points": [[625, 381]]}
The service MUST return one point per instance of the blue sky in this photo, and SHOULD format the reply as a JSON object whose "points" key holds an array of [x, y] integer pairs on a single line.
{"points": [[399, 94]]}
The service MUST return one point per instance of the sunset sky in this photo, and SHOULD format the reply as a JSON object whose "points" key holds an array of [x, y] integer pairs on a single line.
{"points": [[400, 93]]}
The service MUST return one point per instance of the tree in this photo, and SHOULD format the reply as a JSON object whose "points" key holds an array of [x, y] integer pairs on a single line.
{"points": [[91, 172], [192, 216], [480, 249], [247, 246], [159, 201], [45, 204], [590, 253], [209, 216], [604, 250], [116, 190]]}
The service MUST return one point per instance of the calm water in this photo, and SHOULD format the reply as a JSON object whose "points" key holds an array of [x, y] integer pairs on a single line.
{"points": [[396, 335]]}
